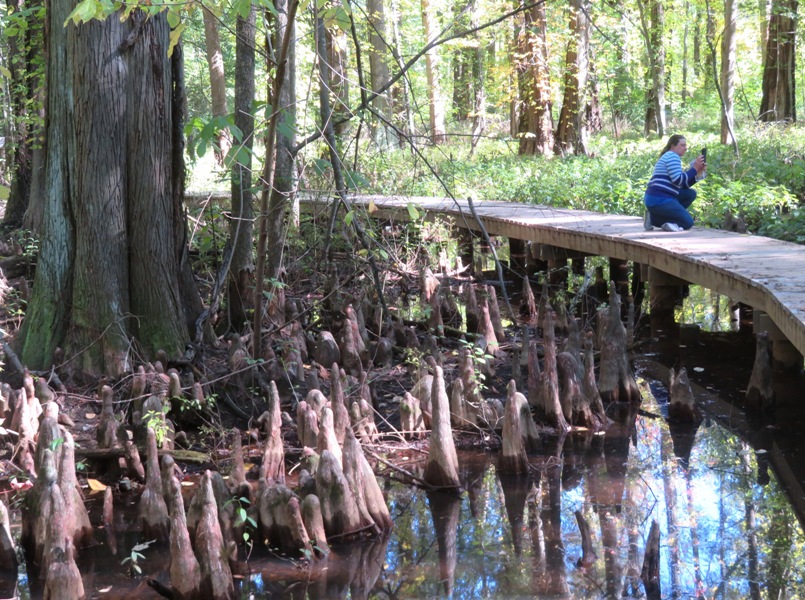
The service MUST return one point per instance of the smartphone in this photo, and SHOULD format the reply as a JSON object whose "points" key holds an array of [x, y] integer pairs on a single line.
{"points": [[704, 154]]}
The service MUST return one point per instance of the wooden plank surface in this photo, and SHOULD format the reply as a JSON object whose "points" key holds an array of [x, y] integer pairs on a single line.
{"points": [[766, 274]]}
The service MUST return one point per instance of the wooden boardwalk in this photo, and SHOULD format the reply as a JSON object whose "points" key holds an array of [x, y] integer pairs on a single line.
{"points": [[767, 274]]}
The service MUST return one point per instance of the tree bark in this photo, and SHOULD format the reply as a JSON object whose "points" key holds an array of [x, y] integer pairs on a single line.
{"points": [[241, 270], [653, 25], [215, 65], [284, 169], [728, 58], [383, 135], [339, 84], [536, 121], [571, 132], [25, 103], [114, 243], [272, 200], [764, 11], [438, 132], [779, 89]]}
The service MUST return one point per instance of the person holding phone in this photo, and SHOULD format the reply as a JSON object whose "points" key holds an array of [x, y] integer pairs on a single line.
{"points": [[669, 194]]}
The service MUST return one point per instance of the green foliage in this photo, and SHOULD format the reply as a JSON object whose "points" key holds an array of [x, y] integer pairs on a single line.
{"points": [[242, 518], [766, 185], [479, 359], [204, 134], [156, 421], [135, 556]]}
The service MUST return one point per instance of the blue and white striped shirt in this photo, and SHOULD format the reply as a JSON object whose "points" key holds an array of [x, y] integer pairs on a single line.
{"points": [[669, 178]]}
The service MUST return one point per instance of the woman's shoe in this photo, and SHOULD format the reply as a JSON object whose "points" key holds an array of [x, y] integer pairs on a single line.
{"points": [[671, 227]]}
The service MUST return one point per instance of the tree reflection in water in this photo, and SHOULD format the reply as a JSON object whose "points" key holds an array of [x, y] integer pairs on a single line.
{"points": [[722, 534]]}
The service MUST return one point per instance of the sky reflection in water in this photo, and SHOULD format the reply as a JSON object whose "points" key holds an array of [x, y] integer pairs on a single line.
{"points": [[722, 534]]}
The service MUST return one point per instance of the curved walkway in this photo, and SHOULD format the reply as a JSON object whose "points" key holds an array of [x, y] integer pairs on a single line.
{"points": [[767, 274]]}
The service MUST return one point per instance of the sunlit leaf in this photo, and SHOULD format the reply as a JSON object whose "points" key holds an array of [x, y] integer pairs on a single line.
{"points": [[173, 19], [341, 18], [83, 12], [95, 485], [175, 35]]}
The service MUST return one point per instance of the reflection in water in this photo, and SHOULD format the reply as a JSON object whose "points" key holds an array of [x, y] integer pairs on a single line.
{"points": [[350, 571], [722, 534], [445, 508], [707, 309]]}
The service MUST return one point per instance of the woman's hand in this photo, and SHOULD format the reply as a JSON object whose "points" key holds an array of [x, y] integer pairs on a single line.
{"points": [[699, 164]]}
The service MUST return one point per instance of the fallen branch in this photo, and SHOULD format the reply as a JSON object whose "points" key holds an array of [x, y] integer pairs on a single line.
{"points": [[189, 456]]}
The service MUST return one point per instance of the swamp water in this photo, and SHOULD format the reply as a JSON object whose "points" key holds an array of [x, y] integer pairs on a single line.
{"points": [[727, 526], [721, 534]]}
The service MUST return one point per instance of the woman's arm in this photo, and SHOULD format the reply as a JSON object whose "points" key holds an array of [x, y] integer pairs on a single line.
{"points": [[673, 166]]}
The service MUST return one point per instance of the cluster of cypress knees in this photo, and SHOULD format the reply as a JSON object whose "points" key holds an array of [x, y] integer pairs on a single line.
{"points": [[336, 495]]}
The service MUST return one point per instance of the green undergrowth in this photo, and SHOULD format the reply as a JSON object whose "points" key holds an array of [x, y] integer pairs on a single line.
{"points": [[765, 184]]}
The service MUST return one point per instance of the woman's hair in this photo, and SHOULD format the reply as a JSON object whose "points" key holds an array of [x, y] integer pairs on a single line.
{"points": [[672, 141]]}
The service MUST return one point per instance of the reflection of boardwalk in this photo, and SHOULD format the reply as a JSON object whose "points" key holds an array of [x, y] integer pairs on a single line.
{"points": [[766, 274]]}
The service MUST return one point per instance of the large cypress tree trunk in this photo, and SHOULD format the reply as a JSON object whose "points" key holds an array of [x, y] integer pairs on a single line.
{"points": [[113, 267], [779, 90]]}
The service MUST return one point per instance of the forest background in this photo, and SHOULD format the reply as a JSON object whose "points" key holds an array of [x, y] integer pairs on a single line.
{"points": [[557, 103]]}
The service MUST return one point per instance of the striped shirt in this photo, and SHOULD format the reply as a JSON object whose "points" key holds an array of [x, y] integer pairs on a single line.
{"points": [[668, 177]]}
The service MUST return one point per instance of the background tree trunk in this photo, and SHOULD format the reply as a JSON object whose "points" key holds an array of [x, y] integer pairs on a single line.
{"points": [[779, 90], [384, 135], [215, 65], [242, 227], [284, 169], [23, 50], [112, 263], [462, 67], [401, 92], [339, 83], [479, 89], [438, 132], [571, 132], [531, 61], [728, 44], [764, 12], [593, 115], [653, 25]]}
